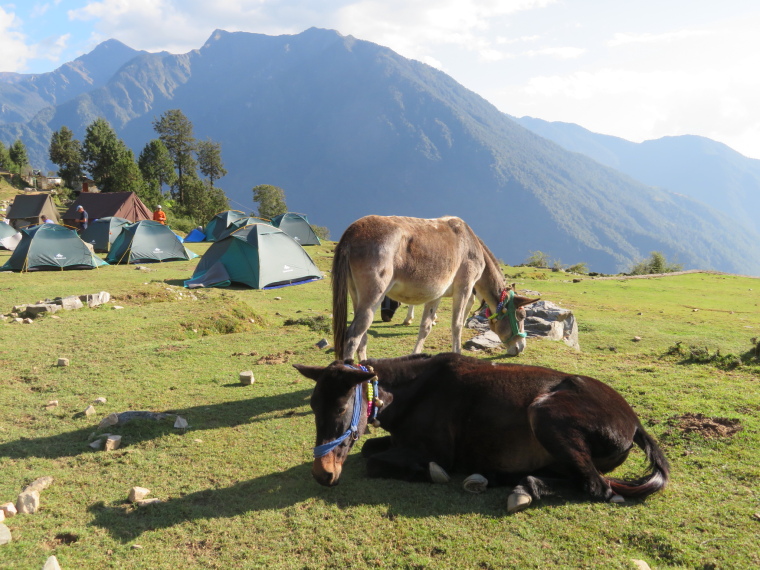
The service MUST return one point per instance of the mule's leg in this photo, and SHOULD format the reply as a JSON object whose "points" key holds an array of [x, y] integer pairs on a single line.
{"points": [[376, 445], [409, 315], [365, 306], [405, 464], [533, 487], [426, 324], [462, 303]]}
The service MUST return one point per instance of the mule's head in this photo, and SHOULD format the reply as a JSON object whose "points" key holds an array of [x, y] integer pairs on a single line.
{"points": [[337, 400], [509, 322]]}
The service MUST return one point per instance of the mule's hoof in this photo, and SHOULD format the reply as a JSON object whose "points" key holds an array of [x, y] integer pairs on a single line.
{"points": [[437, 474], [518, 502], [617, 499], [475, 483]]}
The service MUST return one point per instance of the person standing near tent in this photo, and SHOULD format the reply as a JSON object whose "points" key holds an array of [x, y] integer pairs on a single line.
{"points": [[46, 220], [82, 218], [159, 215]]}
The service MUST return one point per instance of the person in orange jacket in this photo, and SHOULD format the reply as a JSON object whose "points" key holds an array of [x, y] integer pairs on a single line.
{"points": [[159, 215]]}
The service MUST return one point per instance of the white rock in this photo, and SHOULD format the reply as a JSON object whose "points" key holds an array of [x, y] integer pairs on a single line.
{"points": [[39, 484], [138, 494], [145, 502], [109, 420], [117, 307], [51, 564], [180, 423], [100, 400], [9, 509], [89, 410], [28, 502], [5, 534], [113, 442], [51, 404], [28, 321], [246, 378], [97, 444], [640, 564], [63, 362], [2, 516]]}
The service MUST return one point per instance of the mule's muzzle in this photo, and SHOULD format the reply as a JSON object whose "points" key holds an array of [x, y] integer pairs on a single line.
{"points": [[516, 347], [326, 471]]}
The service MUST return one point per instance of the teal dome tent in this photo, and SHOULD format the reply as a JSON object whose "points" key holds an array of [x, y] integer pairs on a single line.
{"points": [[259, 256], [49, 247]]}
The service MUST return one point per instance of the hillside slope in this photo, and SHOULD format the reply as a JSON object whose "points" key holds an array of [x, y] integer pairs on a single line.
{"points": [[698, 167], [350, 128]]}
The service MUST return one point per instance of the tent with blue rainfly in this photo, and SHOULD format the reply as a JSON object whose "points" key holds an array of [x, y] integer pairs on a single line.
{"points": [[195, 236], [103, 232], [259, 256], [296, 226], [220, 222], [49, 247], [147, 241]]}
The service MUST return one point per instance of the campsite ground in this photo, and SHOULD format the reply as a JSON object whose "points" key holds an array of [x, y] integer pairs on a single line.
{"points": [[236, 487]]}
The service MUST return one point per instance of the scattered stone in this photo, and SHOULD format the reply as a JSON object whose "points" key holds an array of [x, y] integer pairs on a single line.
{"points": [[577, 280], [69, 303], [39, 484], [95, 299], [63, 362], [9, 509], [636, 339], [18, 320], [113, 442], [180, 423], [545, 319], [97, 444], [28, 502], [51, 404], [2, 516], [136, 547], [246, 378], [17, 310], [695, 310], [109, 420], [54, 317], [27, 321], [138, 494], [146, 502], [485, 341], [5, 534], [640, 564], [89, 410], [117, 307], [34, 311], [100, 400], [322, 344], [51, 564], [198, 440], [278, 298]]}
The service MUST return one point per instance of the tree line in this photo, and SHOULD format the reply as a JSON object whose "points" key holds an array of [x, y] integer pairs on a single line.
{"points": [[175, 159]]}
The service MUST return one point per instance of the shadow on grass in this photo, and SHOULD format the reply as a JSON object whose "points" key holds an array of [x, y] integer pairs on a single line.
{"points": [[227, 414], [283, 490]]}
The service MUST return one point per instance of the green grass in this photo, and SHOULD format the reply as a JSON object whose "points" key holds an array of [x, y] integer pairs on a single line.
{"points": [[236, 485]]}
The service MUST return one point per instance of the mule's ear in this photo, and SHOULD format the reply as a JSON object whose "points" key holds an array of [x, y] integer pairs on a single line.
{"points": [[521, 301], [313, 372], [356, 375]]}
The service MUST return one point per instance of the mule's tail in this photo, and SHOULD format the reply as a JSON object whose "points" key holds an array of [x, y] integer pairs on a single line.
{"points": [[659, 470], [340, 271]]}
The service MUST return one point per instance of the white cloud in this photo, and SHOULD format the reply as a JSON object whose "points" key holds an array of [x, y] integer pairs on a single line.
{"points": [[13, 43], [647, 38], [560, 52]]}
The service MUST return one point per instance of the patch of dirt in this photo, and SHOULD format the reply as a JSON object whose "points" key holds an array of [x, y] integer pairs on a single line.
{"points": [[277, 358], [254, 353], [707, 427]]}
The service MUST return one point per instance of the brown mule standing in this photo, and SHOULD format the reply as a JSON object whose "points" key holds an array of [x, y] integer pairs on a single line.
{"points": [[416, 261]]}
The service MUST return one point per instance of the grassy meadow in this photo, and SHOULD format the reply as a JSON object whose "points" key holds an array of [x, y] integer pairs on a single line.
{"points": [[236, 488]]}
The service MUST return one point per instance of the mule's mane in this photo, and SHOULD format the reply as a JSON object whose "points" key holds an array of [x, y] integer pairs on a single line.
{"points": [[492, 266]]}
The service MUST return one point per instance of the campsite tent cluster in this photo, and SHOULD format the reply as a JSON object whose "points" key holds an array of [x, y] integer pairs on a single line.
{"points": [[245, 251]]}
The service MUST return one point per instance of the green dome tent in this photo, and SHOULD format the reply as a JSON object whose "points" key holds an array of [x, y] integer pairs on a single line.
{"points": [[241, 223], [48, 247], [147, 241], [219, 223], [103, 232], [297, 227], [259, 255]]}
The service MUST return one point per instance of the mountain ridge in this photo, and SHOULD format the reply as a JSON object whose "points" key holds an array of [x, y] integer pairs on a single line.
{"points": [[349, 128]]}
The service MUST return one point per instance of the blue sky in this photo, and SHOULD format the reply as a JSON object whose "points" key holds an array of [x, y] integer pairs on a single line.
{"points": [[639, 70]]}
